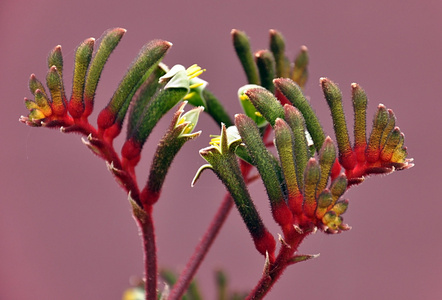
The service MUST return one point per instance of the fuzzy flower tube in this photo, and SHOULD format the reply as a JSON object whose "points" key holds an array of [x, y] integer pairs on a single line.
{"points": [[304, 172]]}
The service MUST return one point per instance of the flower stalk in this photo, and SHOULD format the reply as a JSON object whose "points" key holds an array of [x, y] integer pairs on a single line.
{"points": [[179, 132], [222, 160]]}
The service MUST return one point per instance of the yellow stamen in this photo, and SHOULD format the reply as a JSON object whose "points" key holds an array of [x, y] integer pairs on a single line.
{"points": [[180, 121], [216, 140], [194, 71], [196, 74], [192, 68], [188, 96], [188, 128], [257, 113], [195, 85]]}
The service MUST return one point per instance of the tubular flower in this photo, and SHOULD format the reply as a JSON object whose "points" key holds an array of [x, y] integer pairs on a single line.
{"points": [[306, 180], [221, 159], [382, 153], [312, 197], [172, 87], [179, 132], [310, 200]]}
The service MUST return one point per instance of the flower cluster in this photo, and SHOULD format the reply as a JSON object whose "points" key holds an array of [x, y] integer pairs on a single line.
{"points": [[54, 109], [145, 94], [306, 180], [304, 173]]}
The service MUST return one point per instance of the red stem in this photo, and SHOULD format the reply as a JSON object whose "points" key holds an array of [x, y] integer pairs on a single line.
{"points": [[202, 249], [206, 242], [127, 178], [129, 183], [150, 255], [275, 270], [285, 255]]}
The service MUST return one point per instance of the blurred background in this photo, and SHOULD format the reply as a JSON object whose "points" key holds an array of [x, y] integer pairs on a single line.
{"points": [[66, 230]]}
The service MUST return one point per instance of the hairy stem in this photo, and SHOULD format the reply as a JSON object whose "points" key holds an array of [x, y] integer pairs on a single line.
{"points": [[150, 254], [275, 269]]}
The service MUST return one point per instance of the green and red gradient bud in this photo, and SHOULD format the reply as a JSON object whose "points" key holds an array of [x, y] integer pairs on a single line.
{"points": [[359, 99], [147, 60], [55, 58], [300, 70], [109, 41], [83, 57], [288, 91], [311, 179], [285, 144], [327, 157], [180, 131], [373, 150], [267, 167], [333, 95], [296, 122], [55, 86]]}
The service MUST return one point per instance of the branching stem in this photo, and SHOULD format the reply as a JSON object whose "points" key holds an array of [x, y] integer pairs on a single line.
{"points": [[275, 269]]}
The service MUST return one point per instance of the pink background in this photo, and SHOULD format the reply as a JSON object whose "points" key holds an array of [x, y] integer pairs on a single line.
{"points": [[66, 231]]}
